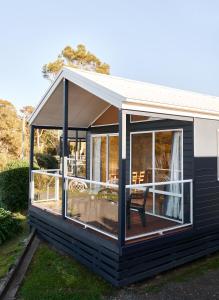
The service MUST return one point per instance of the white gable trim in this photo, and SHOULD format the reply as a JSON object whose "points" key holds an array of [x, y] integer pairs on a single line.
{"points": [[94, 88]]}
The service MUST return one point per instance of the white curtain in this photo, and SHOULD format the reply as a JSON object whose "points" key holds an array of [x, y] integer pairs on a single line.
{"points": [[173, 204], [96, 163]]}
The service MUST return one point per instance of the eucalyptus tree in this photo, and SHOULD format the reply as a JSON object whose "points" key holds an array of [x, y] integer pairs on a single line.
{"points": [[79, 58]]}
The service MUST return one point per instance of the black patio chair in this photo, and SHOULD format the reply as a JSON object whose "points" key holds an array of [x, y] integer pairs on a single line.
{"points": [[137, 201]]}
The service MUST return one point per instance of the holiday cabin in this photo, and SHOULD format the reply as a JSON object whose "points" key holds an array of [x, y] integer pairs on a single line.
{"points": [[136, 191]]}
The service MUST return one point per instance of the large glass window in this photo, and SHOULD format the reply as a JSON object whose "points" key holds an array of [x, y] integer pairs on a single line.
{"points": [[157, 157], [105, 158]]}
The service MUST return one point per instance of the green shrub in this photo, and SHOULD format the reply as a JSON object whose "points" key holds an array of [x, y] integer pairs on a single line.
{"points": [[46, 161], [14, 185], [9, 225]]}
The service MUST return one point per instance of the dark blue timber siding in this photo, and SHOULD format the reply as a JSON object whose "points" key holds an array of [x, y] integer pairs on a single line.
{"points": [[206, 188], [148, 258]]}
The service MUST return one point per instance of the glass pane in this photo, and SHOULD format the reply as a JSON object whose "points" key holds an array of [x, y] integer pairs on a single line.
{"points": [[173, 207], [47, 192], [93, 204], [81, 159], [168, 148], [99, 158], [141, 170], [141, 158], [169, 200], [72, 156], [113, 159]]}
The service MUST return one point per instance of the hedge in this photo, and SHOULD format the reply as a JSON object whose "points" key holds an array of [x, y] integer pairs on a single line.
{"points": [[9, 225], [14, 185]]}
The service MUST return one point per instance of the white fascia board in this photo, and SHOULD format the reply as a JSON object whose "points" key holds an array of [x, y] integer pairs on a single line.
{"points": [[91, 86], [167, 109], [45, 97], [158, 115]]}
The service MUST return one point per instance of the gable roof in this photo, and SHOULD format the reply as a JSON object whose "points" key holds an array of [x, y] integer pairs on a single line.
{"points": [[136, 95]]}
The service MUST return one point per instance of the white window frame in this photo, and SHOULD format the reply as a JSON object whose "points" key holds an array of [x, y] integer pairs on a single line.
{"points": [[153, 163]]}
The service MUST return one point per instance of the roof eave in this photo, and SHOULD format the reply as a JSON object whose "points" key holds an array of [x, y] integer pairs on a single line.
{"points": [[161, 108]]}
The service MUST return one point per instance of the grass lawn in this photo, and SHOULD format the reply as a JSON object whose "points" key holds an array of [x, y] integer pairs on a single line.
{"points": [[54, 276], [12, 248]]}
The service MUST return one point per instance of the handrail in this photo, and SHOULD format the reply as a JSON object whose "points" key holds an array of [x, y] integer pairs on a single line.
{"points": [[112, 185], [46, 170], [43, 172], [46, 173], [139, 185]]}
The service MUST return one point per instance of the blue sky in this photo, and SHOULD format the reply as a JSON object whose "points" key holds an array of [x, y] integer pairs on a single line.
{"points": [[175, 43]]}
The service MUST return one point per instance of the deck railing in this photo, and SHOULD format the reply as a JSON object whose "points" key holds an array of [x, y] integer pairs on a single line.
{"points": [[46, 190], [169, 203], [94, 205]]}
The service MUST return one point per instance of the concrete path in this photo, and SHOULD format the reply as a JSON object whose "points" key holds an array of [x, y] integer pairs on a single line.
{"points": [[204, 287]]}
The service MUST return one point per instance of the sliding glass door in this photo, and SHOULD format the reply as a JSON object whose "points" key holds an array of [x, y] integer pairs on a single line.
{"points": [[105, 158], [157, 157]]}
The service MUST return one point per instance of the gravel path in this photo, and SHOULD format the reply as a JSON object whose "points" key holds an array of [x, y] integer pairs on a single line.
{"points": [[205, 287]]}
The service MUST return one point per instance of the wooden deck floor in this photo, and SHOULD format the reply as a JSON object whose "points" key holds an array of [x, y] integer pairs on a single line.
{"points": [[104, 216]]}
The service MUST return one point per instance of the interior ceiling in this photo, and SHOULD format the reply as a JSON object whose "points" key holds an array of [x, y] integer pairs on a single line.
{"points": [[83, 108]]}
